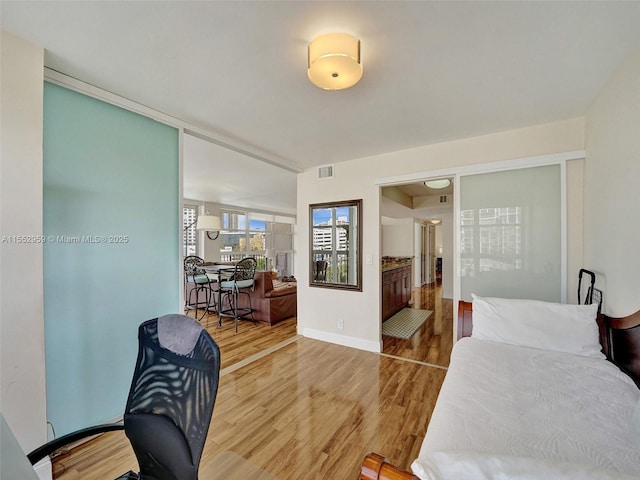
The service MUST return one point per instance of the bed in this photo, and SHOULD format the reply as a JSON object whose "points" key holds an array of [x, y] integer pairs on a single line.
{"points": [[561, 403]]}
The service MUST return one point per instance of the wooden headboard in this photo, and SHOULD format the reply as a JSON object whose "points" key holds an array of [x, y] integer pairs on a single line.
{"points": [[623, 343], [375, 467], [465, 323], [619, 337]]}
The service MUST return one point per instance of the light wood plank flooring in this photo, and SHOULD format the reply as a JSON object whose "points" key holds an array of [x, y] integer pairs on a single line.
{"points": [[309, 409], [427, 344], [250, 340]]}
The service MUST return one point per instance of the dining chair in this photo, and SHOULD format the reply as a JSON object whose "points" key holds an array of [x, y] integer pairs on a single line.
{"points": [[195, 274], [242, 279]]}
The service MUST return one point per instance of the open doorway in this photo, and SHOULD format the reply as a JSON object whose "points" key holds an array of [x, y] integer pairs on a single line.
{"points": [[417, 229], [256, 205]]}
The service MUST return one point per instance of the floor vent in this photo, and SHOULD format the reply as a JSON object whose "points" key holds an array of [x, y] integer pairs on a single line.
{"points": [[325, 171]]}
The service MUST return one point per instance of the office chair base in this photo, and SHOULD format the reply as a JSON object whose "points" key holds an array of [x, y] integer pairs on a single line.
{"points": [[129, 476]]}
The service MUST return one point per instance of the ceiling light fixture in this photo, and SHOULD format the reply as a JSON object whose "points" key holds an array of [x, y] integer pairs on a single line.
{"points": [[437, 184], [334, 61]]}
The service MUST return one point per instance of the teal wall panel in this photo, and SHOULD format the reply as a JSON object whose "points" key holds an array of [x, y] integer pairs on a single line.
{"points": [[111, 257]]}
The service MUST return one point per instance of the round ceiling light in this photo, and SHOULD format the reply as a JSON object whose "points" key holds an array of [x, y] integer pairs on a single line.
{"points": [[334, 61], [437, 184]]}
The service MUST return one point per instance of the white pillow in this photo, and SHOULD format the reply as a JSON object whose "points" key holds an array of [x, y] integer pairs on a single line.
{"points": [[536, 324]]}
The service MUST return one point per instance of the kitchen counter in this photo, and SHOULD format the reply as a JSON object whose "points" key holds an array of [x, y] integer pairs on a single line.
{"points": [[391, 263]]}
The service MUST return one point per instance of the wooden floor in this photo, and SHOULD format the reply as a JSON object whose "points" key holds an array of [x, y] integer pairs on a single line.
{"points": [[433, 341], [308, 409], [251, 339]]}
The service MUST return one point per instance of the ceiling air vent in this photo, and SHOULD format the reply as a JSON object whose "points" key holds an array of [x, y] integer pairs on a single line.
{"points": [[325, 171], [444, 199]]}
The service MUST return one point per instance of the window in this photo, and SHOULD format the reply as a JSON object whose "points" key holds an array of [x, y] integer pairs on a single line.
{"points": [[335, 244], [491, 239], [257, 235], [189, 234], [282, 243], [253, 234], [511, 234], [233, 238]]}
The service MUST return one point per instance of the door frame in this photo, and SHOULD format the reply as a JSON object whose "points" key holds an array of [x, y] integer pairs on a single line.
{"points": [[490, 167]]}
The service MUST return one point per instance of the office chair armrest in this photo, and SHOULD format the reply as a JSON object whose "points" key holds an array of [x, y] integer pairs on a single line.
{"points": [[50, 447]]}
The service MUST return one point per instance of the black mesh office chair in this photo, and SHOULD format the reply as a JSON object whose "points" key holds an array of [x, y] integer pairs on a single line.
{"points": [[170, 403]]}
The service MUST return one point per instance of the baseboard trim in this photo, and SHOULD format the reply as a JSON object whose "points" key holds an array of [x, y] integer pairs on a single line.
{"points": [[44, 469], [343, 340]]}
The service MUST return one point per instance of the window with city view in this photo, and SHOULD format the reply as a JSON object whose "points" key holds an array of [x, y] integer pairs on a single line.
{"points": [[254, 234], [490, 239], [511, 234], [335, 244], [189, 237]]}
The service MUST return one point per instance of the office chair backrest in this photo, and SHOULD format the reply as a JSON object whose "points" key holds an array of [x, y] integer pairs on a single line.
{"points": [[172, 395]]}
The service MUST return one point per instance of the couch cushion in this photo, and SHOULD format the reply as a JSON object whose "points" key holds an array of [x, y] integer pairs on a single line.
{"points": [[282, 289]]}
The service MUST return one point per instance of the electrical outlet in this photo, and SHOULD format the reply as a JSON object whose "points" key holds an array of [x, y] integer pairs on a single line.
{"points": [[340, 324]]}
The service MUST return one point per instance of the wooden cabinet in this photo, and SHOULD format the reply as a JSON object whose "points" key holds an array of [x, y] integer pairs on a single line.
{"points": [[396, 290], [388, 296]]}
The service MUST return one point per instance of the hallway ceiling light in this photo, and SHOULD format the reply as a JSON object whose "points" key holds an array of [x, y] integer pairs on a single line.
{"points": [[334, 61], [435, 221], [440, 183]]}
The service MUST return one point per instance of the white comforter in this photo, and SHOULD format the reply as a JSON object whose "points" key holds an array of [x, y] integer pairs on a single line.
{"points": [[508, 412]]}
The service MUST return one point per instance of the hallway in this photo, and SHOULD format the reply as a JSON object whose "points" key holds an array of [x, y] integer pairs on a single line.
{"points": [[433, 341]]}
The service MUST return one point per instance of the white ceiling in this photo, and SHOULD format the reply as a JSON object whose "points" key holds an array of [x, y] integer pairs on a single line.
{"points": [[433, 71], [217, 174]]}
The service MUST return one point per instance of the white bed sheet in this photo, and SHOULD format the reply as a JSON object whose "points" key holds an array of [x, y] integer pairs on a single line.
{"points": [[528, 413]]}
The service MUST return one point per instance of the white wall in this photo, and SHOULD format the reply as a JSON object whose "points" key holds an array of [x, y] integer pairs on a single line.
{"points": [[611, 177], [22, 392], [439, 240], [397, 237], [319, 308]]}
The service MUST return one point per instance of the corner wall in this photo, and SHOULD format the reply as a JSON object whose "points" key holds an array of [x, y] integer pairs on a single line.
{"points": [[612, 173], [22, 388]]}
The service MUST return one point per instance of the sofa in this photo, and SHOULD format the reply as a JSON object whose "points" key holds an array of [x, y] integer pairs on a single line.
{"points": [[272, 301]]}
